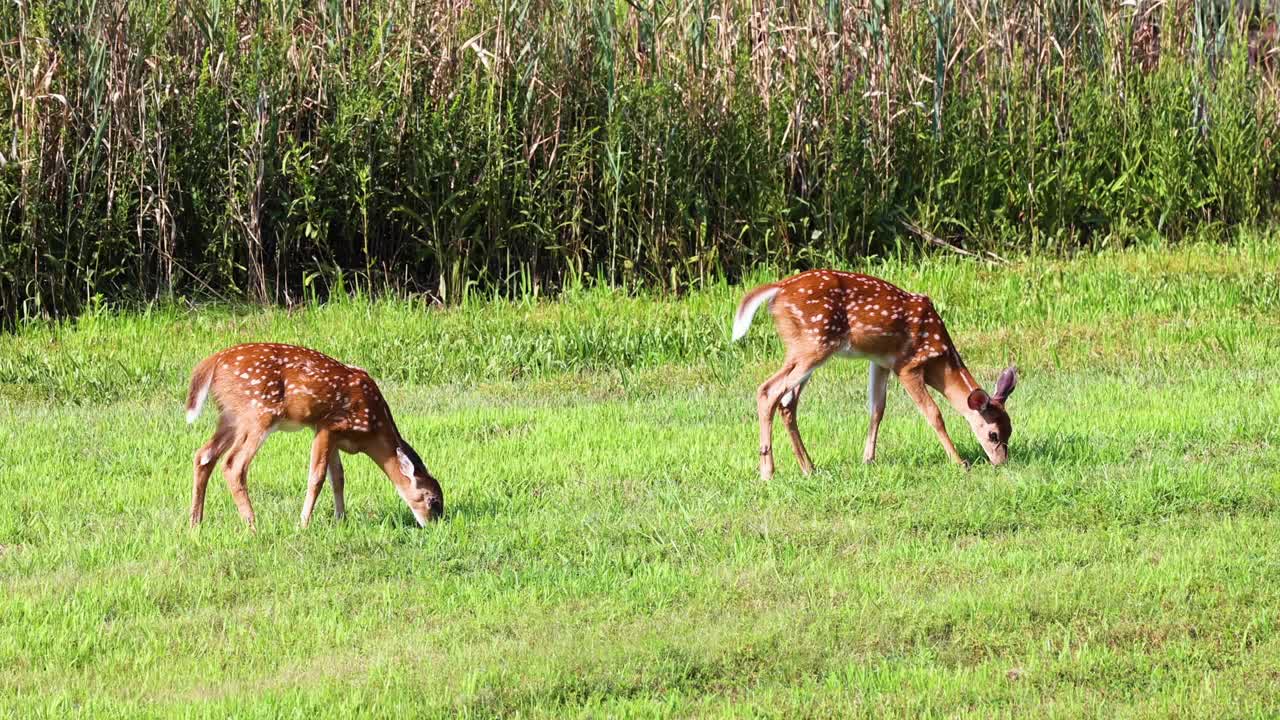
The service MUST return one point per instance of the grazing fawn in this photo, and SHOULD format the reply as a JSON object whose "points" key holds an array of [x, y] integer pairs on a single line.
{"points": [[821, 313], [263, 387]]}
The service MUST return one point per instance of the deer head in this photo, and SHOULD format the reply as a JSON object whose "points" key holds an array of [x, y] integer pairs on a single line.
{"points": [[989, 420]]}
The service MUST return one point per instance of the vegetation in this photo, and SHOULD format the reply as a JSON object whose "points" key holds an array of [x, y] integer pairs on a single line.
{"points": [[260, 150], [608, 547]]}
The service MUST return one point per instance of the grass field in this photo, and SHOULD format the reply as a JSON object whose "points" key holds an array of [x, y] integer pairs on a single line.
{"points": [[608, 549]]}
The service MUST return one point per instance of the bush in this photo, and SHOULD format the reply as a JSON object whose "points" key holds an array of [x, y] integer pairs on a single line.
{"points": [[259, 150]]}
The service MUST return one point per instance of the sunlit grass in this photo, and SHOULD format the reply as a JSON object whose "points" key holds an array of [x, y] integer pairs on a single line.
{"points": [[609, 548]]}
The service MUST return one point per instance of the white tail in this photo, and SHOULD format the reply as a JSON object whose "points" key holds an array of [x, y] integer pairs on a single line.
{"points": [[823, 313], [201, 378], [747, 309], [264, 387]]}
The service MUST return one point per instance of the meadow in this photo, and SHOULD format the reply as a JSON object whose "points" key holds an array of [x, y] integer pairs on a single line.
{"points": [[608, 548]]}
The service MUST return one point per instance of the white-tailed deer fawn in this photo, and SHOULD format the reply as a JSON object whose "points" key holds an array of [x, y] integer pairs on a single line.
{"points": [[821, 313], [262, 387]]}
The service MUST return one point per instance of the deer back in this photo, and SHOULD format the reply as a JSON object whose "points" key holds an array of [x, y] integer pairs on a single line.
{"points": [[827, 311], [291, 386]]}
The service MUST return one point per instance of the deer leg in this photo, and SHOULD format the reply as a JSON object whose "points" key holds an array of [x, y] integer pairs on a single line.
{"points": [[338, 480], [236, 471], [913, 383], [320, 449], [789, 408], [777, 389], [767, 396], [204, 461], [877, 384]]}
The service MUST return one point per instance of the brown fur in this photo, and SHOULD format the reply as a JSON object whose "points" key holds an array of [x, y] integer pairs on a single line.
{"points": [[821, 313], [262, 387]]}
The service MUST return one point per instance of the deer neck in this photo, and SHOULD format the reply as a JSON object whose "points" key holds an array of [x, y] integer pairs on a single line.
{"points": [[953, 380]]}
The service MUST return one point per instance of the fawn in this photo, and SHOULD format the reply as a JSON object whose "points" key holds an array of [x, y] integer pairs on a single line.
{"points": [[263, 387], [821, 313]]}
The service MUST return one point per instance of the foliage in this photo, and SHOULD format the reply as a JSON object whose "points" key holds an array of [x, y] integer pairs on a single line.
{"points": [[256, 150]]}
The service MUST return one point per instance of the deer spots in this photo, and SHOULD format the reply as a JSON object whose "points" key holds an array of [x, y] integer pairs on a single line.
{"points": [[928, 352]]}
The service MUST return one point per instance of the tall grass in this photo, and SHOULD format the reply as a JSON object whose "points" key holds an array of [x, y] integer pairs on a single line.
{"points": [[259, 150]]}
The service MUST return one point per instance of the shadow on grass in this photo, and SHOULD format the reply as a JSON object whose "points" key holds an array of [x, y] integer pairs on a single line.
{"points": [[1051, 449], [1061, 448], [402, 517]]}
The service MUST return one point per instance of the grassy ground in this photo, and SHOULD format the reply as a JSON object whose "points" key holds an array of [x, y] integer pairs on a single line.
{"points": [[608, 548]]}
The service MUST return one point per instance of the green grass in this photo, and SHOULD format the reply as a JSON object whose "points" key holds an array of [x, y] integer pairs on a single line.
{"points": [[608, 548]]}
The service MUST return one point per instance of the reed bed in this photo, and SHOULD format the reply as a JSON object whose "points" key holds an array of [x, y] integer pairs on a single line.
{"points": [[270, 151]]}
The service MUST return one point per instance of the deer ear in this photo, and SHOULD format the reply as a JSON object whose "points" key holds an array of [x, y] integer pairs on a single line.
{"points": [[406, 465], [1007, 382], [978, 400]]}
